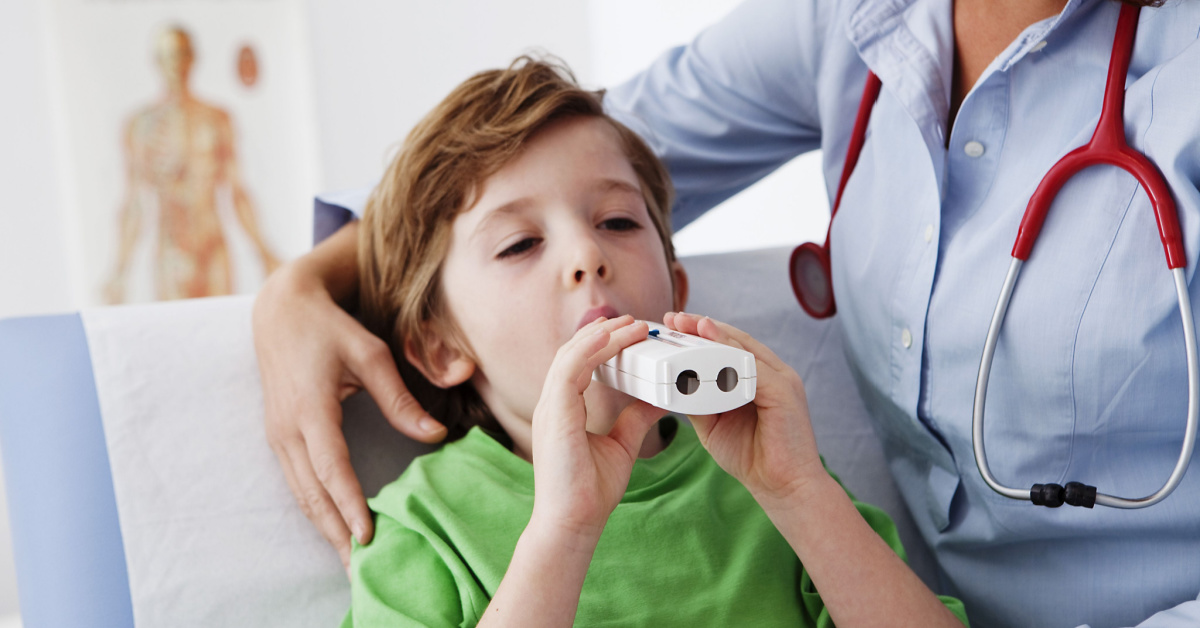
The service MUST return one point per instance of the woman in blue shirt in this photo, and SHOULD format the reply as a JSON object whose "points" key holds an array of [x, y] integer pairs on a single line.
{"points": [[979, 99]]}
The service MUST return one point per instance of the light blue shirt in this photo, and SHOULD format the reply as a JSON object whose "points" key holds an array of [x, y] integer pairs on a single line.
{"points": [[1089, 378]]}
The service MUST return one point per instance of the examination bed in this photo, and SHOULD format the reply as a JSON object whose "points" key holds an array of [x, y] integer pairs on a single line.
{"points": [[142, 491]]}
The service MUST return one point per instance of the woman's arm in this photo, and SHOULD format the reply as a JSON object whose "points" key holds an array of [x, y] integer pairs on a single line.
{"points": [[734, 104], [769, 447], [312, 355]]}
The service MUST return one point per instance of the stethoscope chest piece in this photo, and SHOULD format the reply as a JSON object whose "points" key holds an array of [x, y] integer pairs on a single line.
{"points": [[809, 267], [812, 280]]}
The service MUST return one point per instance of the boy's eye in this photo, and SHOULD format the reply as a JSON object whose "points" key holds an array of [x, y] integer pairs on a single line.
{"points": [[620, 224], [518, 248]]}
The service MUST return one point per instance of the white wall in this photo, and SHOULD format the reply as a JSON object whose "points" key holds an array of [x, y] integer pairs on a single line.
{"points": [[378, 66], [33, 250], [786, 208], [381, 65]]}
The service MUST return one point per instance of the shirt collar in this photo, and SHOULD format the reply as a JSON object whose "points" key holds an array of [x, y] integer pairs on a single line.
{"points": [[1032, 36], [909, 44]]}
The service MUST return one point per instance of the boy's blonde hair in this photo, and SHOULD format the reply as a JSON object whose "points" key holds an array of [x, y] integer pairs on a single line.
{"points": [[405, 233]]}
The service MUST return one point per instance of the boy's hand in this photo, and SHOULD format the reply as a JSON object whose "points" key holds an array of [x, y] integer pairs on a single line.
{"points": [[768, 445], [580, 477]]}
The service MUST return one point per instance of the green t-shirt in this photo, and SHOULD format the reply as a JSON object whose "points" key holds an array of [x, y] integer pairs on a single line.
{"points": [[687, 545]]}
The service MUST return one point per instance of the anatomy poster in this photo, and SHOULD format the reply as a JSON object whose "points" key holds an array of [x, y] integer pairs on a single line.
{"points": [[188, 140]]}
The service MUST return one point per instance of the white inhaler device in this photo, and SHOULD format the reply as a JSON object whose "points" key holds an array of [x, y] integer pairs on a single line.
{"points": [[682, 373]]}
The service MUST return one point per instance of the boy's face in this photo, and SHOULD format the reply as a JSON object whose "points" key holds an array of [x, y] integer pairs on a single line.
{"points": [[557, 237]]}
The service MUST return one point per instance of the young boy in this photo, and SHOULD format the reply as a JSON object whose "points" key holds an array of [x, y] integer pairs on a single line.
{"points": [[507, 253]]}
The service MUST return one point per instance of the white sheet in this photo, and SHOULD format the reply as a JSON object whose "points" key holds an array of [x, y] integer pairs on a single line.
{"points": [[212, 535]]}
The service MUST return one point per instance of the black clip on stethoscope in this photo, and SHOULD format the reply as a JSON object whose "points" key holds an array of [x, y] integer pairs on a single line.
{"points": [[812, 282]]}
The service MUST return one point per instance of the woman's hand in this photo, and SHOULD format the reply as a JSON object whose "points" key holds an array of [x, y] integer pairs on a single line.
{"points": [[311, 356], [580, 477], [768, 445]]}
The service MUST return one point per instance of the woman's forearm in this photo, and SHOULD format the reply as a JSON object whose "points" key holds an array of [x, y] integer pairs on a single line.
{"points": [[331, 265], [542, 585], [861, 579]]}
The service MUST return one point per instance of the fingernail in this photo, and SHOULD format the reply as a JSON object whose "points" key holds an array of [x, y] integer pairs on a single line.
{"points": [[360, 531], [430, 426]]}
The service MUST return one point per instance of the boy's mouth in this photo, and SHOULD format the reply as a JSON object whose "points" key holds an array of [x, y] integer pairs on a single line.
{"points": [[606, 311]]}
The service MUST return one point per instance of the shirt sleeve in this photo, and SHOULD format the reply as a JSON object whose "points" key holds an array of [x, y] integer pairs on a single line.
{"points": [[408, 578], [1186, 615], [733, 105], [332, 210]]}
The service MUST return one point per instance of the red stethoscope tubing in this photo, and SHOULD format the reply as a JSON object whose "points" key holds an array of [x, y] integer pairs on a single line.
{"points": [[809, 264], [815, 259], [1108, 147]]}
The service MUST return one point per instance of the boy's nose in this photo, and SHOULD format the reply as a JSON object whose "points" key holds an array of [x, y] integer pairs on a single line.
{"points": [[588, 259], [600, 272]]}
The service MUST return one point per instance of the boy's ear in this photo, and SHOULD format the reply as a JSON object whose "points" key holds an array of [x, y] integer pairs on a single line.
{"points": [[448, 365], [679, 275]]}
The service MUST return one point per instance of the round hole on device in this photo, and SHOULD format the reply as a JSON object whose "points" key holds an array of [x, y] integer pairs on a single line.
{"points": [[687, 382], [727, 379]]}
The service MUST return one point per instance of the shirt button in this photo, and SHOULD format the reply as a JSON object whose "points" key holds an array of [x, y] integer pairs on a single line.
{"points": [[973, 149], [1038, 46], [928, 234], [906, 338]]}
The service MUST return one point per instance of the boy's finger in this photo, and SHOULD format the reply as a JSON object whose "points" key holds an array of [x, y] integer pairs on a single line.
{"points": [[562, 389], [621, 337], [585, 334], [632, 425], [703, 424], [625, 336], [572, 361], [726, 334], [598, 325], [683, 322], [690, 324], [745, 340], [576, 357]]}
